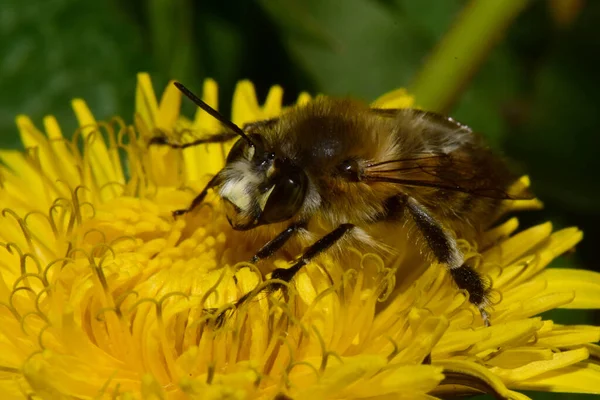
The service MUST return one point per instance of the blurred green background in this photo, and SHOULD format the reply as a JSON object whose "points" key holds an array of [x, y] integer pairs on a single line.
{"points": [[534, 94]]}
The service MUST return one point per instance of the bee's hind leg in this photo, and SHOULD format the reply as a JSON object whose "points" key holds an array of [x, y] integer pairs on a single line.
{"points": [[470, 280], [443, 246]]}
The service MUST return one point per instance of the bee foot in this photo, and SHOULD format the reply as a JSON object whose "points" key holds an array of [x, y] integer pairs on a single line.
{"points": [[219, 316], [485, 316], [283, 274], [427, 359], [178, 213], [158, 140]]}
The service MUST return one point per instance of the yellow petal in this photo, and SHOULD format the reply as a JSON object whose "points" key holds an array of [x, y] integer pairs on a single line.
{"points": [[12, 387], [538, 304], [245, 107], [472, 375], [303, 98], [563, 336], [36, 193], [362, 376], [579, 378], [519, 205], [559, 242], [426, 336], [240, 385], [506, 334], [518, 396], [99, 160], [203, 120], [537, 251], [460, 340], [60, 146], [146, 105], [522, 292], [272, 106], [398, 98], [168, 110], [207, 159], [400, 381], [34, 140], [339, 376], [511, 249], [519, 356], [535, 368], [594, 350], [151, 388], [500, 232], [585, 284]]}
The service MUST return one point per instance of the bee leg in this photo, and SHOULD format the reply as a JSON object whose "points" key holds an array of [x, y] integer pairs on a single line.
{"points": [[287, 274], [443, 246], [275, 244], [467, 278], [199, 198], [218, 138]]}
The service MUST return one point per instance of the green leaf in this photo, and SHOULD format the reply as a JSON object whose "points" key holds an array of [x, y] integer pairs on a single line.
{"points": [[356, 47], [53, 51]]}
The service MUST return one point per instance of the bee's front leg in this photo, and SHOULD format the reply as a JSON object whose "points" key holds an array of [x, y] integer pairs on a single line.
{"points": [[444, 248], [216, 138], [200, 197]]}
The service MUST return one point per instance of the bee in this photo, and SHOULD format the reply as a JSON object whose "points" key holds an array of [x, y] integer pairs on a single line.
{"points": [[336, 171]]}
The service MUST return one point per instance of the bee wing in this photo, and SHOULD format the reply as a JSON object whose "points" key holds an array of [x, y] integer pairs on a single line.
{"points": [[433, 121], [469, 168]]}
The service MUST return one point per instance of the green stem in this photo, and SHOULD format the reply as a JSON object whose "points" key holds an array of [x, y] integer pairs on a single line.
{"points": [[460, 53]]}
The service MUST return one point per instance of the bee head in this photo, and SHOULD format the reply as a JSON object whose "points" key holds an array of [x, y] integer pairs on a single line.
{"points": [[259, 188]]}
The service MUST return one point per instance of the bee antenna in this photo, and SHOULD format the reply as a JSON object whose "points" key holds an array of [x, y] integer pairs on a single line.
{"points": [[214, 113]]}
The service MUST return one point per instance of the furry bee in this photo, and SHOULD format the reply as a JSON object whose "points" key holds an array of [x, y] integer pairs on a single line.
{"points": [[337, 171]]}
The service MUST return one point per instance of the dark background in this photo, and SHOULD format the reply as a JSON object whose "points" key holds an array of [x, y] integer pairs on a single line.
{"points": [[535, 96]]}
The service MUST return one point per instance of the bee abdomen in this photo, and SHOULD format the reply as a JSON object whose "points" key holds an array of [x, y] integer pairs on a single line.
{"points": [[463, 207], [449, 199]]}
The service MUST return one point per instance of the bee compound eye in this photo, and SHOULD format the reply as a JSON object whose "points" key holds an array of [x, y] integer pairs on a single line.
{"points": [[350, 169], [286, 198]]}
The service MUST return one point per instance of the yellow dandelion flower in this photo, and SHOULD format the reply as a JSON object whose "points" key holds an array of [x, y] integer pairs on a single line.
{"points": [[103, 294]]}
